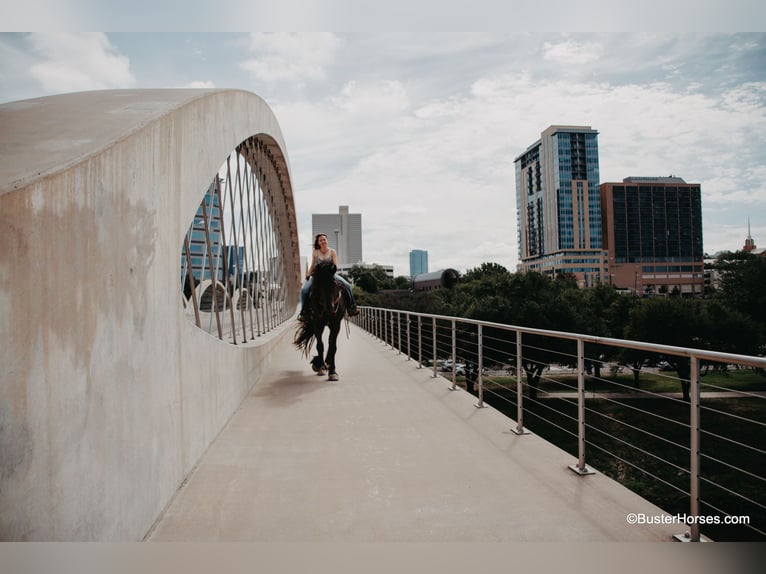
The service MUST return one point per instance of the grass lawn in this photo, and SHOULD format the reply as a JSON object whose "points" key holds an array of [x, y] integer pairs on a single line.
{"points": [[656, 382]]}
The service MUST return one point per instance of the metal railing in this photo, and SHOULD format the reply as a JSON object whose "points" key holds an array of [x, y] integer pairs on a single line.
{"points": [[658, 439]]}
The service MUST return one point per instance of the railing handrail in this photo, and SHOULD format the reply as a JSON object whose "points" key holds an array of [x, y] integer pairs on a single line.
{"points": [[703, 354]]}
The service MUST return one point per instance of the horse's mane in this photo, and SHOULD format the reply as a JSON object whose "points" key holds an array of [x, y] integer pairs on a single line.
{"points": [[325, 304]]}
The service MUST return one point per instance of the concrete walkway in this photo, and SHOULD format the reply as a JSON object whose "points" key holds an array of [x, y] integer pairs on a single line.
{"points": [[388, 453]]}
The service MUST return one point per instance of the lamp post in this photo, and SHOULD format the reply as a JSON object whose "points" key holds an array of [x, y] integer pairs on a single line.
{"points": [[337, 245]]}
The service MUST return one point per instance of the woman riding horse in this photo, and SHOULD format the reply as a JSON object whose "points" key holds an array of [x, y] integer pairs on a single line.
{"points": [[323, 252], [326, 308]]}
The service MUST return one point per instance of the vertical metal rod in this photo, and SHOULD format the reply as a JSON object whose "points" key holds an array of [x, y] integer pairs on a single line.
{"points": [[409, 323], [259, 244], [257, 232], [454, 358], [248, 242], [480, 351], [694, 466], [240, 238], [519, 386], [433, 334], [391, 330], [580, 404], [226, 274], [270, 244], [399, 330], [213, 274], [420, 342], [581, 467]]}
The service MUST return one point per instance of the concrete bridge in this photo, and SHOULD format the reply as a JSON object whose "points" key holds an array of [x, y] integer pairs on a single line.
{"points": [[149, 274]]}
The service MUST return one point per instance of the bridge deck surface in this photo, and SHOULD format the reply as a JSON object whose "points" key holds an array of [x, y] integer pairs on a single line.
{"points": [[388, 453]]}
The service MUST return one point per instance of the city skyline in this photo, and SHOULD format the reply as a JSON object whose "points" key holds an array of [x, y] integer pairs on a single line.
{"points": [[418, 132]]}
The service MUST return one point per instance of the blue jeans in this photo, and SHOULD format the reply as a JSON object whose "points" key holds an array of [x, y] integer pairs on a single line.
{"points": [[310, 280]]}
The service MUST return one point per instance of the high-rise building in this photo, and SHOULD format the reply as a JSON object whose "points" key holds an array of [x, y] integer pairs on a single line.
{"points": [[344, 234], [558, 205], [418, 262], [204, 240], [653, 235]]}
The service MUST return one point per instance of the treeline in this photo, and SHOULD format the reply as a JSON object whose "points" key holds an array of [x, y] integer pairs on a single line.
{"points": [[731, 318]]}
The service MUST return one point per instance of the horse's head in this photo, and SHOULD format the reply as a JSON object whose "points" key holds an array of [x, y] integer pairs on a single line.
{"points": [[324, 271], [325, 291]]}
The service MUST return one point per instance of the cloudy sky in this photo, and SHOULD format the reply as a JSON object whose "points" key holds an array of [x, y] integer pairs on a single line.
{"points": [[417, 131]]}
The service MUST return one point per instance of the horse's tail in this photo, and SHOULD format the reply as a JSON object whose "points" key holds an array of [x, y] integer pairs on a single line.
{"points": [[304, 338]]}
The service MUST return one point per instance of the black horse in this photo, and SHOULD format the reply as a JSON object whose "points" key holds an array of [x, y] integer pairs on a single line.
{"points": [[326, 308]]}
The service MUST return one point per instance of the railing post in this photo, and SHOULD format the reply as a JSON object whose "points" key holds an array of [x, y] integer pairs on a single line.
{"points": [[420, 342], [581, 468], [480, 378], [519, 387], [433, 334], [399, 331], [454, 358], [694, 462], [409, 357], [391, 330]]}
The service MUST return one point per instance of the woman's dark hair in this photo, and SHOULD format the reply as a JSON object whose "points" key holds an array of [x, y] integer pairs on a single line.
{"points": [[316, 239]]}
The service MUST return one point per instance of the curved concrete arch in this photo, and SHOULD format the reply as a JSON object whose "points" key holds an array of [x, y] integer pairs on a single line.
{"points": [[109, 394]]}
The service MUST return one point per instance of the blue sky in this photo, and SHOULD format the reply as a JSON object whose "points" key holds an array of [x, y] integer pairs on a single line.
{"points": [[418, 130]]}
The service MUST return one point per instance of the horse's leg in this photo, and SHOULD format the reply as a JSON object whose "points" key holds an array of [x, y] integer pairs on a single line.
{"points": [[319, 360], [332, 348]]}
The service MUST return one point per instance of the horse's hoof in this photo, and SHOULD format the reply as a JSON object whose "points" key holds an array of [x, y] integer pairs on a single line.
{"points": [[332, 377]]}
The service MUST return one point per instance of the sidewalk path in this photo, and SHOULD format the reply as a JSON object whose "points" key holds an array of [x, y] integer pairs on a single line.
{"points": [[388, 453]]}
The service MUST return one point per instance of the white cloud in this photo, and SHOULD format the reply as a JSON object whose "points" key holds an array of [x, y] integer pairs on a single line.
{"points": [[290, 57], [572, 53], [379, 98], [73, 62]]}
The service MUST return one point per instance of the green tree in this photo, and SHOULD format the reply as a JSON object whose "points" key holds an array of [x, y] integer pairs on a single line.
{"points": [[677, 322], [402, 282], [729, 331], [741, 286]]}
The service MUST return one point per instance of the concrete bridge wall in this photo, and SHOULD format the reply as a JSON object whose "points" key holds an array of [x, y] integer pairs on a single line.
{"points": [[108, 394]]}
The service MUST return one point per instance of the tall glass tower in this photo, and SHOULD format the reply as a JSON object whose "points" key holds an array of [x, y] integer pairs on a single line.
{"points": [[418, 262], [559, 207]]}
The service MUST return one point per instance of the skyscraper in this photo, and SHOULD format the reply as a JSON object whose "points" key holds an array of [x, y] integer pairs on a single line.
{"points": [[418, 262], [558, 205], [204, 235], [653, 235], [344, 234]]}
